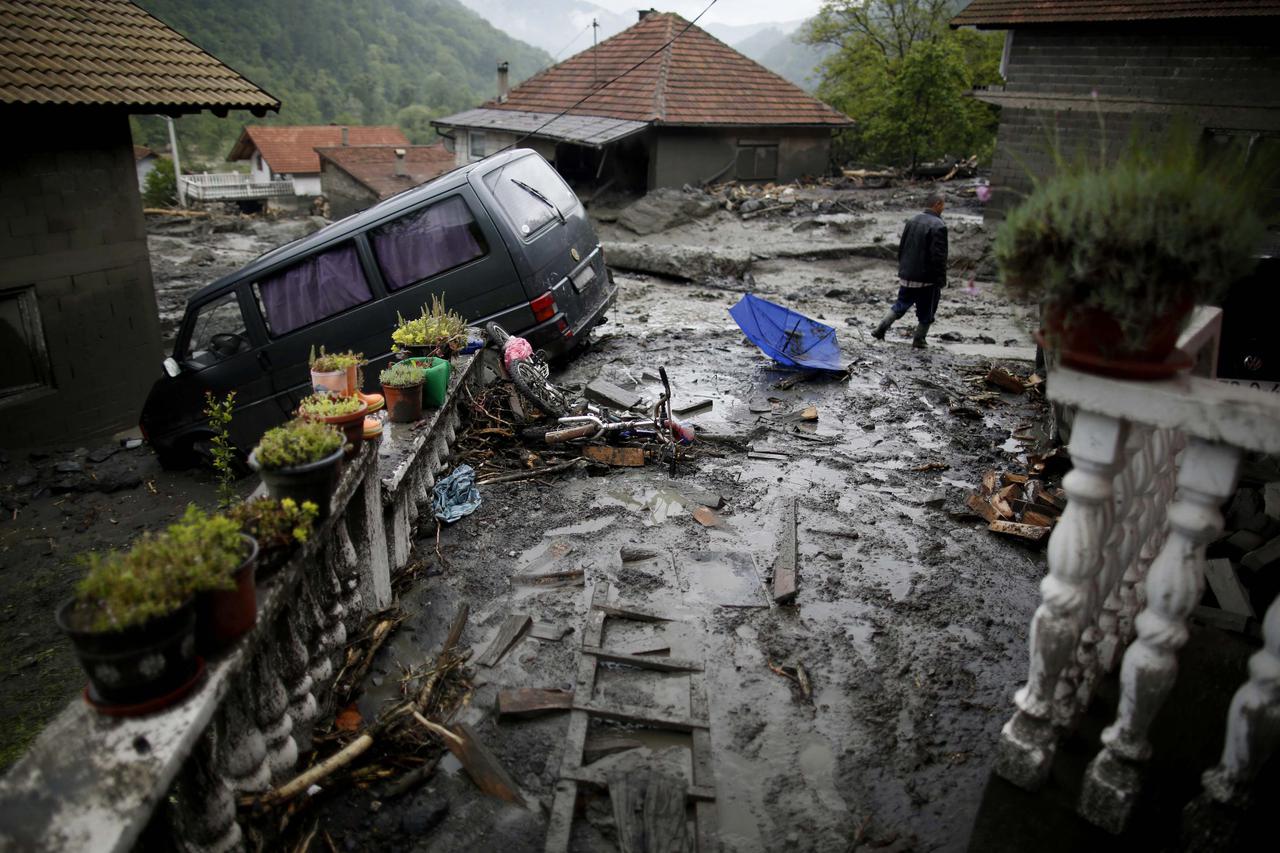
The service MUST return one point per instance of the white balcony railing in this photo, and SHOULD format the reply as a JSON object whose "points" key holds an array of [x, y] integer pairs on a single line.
{"points": [[233, 186], [1153, 461]]}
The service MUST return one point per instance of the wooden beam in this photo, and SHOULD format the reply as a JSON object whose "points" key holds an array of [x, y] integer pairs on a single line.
{"points": [[481, 765], [784, 566], [640, 715], [642, 662], [512, 627], [597, 779], [531, 701]]}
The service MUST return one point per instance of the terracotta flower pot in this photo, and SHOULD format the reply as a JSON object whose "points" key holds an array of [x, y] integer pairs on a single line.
{"points": [[352, 426], [1092, 340], [225, 615], [404, 404]]}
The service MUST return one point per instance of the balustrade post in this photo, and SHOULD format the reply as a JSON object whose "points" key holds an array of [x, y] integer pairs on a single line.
{"points": [[370, 541], [347, 568], [1028, 740], [241, 747], [272, 712], [399, 532], [202, 809], [296, 664], [1206, 478], [1141, 529]]}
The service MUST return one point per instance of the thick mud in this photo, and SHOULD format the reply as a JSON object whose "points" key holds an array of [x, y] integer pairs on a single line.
{"points": [[911, 623]]}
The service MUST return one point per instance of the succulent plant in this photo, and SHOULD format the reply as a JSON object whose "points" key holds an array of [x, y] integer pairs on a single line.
{"points": [[401, 376], [328, 406], [333, 362], [275, 523], [297, 442], [436, 327]]}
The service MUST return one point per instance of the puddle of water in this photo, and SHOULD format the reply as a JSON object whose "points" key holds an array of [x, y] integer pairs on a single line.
{"points": [[656, 505], [595, 525], [891, 572]]}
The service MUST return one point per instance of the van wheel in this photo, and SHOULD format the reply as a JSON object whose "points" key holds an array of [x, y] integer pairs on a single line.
{"points": [[202, 452]]}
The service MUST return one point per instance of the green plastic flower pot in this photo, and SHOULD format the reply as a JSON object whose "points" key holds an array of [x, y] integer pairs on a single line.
{"points": [[435, 372]]}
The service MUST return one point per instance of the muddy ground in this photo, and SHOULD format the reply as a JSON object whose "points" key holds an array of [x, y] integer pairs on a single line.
{"points": [[913, 633]]}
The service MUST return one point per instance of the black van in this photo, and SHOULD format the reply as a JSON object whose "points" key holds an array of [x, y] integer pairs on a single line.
{"points": [[503, 239]]}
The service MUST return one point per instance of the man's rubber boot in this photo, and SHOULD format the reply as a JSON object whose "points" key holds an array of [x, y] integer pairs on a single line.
{"points": [[922, 329], [889, 320]]}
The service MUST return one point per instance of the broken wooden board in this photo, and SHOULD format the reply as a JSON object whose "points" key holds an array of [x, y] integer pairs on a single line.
{"points": [[1027, 532], [617, 457], [1235, 622], [598, 779], [785, 565], [721, 578], [707, 517], [623, 611], [512, 627], [1232, 596], [569, 577], [699, 495], [640, 715], [482, 765], [550, 632], [694, 407], [1008, 478], [607, 394], [658, 664], [531, 701], [1004, 378], [767, 456], [990, 482], [598, 746], [1037, 519]]}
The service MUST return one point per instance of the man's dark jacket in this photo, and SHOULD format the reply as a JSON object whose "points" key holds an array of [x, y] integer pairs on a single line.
{"points": [[922, 252]]}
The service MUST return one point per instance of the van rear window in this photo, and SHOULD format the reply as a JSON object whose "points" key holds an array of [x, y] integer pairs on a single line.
{"points": [[531, 193], [323, 285], [427, 242]]}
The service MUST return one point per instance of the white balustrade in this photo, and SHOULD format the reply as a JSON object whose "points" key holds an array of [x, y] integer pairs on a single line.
{"points": [[1153, 463], [91, 782]]}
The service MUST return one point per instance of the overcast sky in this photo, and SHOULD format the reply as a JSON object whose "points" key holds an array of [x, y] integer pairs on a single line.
{"points": [[725, 11]]}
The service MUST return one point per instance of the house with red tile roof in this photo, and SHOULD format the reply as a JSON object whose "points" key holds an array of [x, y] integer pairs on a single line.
{"points": [[80, 339], [1085, 72], [288, 152], [354, 177], [662, 103]]}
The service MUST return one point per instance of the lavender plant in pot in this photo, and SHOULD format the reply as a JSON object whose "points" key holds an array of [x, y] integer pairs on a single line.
{"points": [[1118, 255]]}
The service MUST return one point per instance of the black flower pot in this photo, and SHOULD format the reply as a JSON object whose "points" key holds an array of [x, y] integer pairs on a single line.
{"points": [[138, 663], [313, 482]]}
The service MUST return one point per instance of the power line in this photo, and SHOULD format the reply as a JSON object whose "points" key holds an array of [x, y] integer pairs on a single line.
{"points": [[556, 56], [607, 84]]}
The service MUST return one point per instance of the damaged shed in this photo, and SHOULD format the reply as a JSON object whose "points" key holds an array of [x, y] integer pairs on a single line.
{"points": [[661, 104]]}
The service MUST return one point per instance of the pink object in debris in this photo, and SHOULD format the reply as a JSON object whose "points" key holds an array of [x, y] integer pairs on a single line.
{"points": [[515, 350], [983, 192]]}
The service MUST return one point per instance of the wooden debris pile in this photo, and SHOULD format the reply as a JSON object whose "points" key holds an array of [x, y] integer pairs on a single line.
{"points": [[1018, 505], [1004, 378]]}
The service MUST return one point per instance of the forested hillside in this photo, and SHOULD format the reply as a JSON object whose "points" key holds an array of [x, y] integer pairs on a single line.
{"points": [[398, 62]]}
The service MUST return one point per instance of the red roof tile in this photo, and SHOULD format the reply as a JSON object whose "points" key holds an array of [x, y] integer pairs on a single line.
{"points": [[141, 152], [291, 149], [110, 52], [374, 166], [696, 80], [1010, 12]]}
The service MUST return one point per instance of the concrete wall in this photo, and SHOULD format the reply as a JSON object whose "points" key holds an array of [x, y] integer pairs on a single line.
{"points": [[72, 241], [1216, 75], [692, 155], [345, 194], [495, 141], [306, 186]]}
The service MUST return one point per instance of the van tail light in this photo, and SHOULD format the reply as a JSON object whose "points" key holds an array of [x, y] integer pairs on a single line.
{"points": [[544, 307]]}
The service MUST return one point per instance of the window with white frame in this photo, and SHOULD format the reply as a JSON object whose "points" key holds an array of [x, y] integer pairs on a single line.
{"points": [[477, 143]]}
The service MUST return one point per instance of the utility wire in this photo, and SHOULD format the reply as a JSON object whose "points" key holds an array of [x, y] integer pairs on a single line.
{"points": [[606, 85], [556, 56]]}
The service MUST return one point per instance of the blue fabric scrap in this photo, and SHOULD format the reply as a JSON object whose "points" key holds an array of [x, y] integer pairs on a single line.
{"points": [[456, 495]]}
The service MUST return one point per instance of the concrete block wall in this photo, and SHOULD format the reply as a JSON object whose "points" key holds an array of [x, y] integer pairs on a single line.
{"points": [[693, 155], [71, 231], [1222, 75], [346, 195]]}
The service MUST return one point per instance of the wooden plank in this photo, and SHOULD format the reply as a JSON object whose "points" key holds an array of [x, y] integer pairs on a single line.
{"points": [[551, 632], [618, 457], [1009, 477], [560, 822], [785, 566], [512, 627], [665, 827], [1216, 618], [598, 746], [626, 795], [640, 715], [597, 779], [641, 662], [531, 701], [569, 577], [1037, 519], [635, 614], [1232, 596], [1021, 531], [481, 765], [982, 507]]}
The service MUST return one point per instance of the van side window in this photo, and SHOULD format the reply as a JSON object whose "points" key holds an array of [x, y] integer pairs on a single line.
{"points": [[531, 193], [427, 242], [319, 287], [218, 331]]}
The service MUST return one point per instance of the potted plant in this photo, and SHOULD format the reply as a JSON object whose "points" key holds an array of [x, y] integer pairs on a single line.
{"points": [[133, 618], [1119, 255], [278, 526], [337, 374], [346, 413], [402, 388], [299, 461], [437, 332]]}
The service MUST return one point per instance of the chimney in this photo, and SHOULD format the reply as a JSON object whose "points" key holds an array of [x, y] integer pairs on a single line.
{"points": [[644, 13], [503, 87], [345, 135], [401, 171]]}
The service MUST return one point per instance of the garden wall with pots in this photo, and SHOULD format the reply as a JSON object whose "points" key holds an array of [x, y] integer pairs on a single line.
{"points": [[96, 782]]}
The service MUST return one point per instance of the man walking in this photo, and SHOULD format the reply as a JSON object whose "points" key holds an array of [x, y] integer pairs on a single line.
{"points": [[922, 269]]}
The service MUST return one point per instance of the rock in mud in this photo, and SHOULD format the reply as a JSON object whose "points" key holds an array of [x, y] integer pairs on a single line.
{"points": [[666, 208], [693, 263], [202, 257]]}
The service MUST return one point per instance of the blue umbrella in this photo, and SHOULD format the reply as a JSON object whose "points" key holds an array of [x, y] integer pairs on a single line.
{"points": [[787, 337]]}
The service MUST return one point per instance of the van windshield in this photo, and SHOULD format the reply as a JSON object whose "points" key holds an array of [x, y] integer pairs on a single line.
{"points": [[531, 193]]}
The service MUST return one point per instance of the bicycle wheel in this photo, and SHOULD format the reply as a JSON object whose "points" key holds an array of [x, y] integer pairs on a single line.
{"points": [[497, 335], [535, 388]]}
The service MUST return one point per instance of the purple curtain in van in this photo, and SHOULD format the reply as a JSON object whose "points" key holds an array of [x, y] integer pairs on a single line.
{"points": [[319, 287], [426, 243]]}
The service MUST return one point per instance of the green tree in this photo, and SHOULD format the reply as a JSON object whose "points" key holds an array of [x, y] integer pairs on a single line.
{"points": [[904, 76], [160, 189], [415, 121]]}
